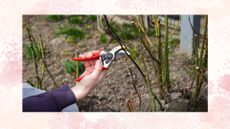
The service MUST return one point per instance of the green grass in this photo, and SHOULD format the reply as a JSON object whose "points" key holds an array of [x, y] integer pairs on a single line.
{"points": [[75, 19], [129, 31], [72, 67], [92, 17], [125, 31], [72, 34], [28, 51], [81, 19], [54, 18], [103, 38]]}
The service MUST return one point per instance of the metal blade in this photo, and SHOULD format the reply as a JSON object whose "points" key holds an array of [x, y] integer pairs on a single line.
{"points": [[120, 54]]}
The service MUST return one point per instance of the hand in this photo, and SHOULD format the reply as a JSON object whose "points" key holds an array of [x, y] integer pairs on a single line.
{"points": [[92, 75]]}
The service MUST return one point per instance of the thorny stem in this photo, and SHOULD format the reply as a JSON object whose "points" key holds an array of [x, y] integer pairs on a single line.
{"points": [[45, 64], [195, 43], [155, 69], [166, 67], [32, 41], [193, 79], [149, 85], [203, 40], [149, 51], [147, 48], [200, 76], [42, 56], [197, 90], [41, 52], [119, 41], [148, 41], [134, 85], [159, 51], [172, 32]]}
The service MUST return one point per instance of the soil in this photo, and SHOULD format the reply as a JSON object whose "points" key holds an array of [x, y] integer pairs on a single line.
{"points": [[116, 90]]}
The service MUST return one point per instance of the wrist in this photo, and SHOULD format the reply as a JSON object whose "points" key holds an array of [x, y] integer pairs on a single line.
{"points": [[80, 91]]}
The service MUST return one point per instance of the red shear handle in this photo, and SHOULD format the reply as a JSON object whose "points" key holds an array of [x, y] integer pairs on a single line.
{"points": [[95, 55]]}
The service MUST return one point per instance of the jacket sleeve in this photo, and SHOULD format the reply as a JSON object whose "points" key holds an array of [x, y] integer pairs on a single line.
{"points": [[51, 101]]}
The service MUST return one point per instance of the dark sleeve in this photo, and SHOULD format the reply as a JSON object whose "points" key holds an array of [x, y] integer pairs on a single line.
{"points": [[51, 101]]}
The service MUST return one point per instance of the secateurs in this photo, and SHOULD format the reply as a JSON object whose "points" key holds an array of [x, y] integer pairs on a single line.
{"points": [[106, 57]]}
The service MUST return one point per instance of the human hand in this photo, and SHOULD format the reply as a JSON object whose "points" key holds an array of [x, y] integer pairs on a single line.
{"points": [[92, 75]]}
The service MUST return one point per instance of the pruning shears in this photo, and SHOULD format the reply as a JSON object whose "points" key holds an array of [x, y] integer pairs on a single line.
{"points": [[106, 57]]}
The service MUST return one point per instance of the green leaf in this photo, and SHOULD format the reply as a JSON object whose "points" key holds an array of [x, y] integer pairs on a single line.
{"points": [[72, 33]]}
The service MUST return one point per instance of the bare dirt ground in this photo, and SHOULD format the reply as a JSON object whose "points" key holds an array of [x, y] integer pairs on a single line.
{"points": [[113, 93]]}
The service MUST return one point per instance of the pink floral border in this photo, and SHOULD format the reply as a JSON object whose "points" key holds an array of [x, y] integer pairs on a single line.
{"points": [[11, 116]]}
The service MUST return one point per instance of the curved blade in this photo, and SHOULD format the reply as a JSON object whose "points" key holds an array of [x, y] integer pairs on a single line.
{"points": [[120, 54]]}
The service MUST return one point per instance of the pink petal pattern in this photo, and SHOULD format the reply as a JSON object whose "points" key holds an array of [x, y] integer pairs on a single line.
{"points": [[11, 116]]}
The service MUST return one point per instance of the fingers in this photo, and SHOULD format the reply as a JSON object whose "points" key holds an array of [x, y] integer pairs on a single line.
{"points": [[96, 51], [88, 55], [82, 55], [95, 72], [93, 67], [89, 62]]}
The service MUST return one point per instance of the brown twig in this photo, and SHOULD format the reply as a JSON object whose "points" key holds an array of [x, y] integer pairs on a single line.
{"points": [[120, 43], [129, 105], [122, 46], [134, 85]]}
